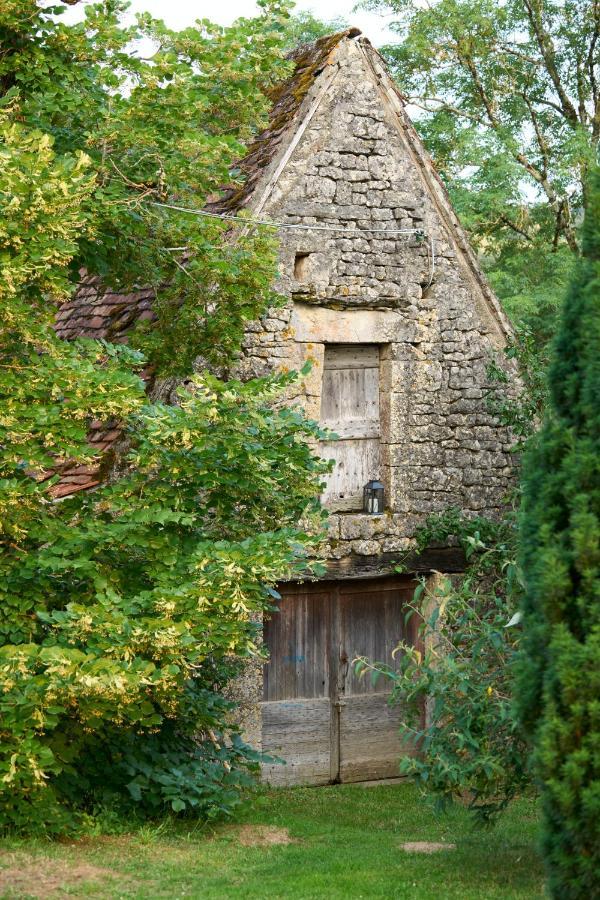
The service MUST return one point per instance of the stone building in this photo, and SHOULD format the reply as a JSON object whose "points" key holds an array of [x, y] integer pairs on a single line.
{"points": [[386, 298]]}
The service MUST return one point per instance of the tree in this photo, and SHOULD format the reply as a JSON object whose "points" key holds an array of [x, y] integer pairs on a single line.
{"points": [[559, 674], [305, 28], [511, 101], [163, 129], [124, 611]]}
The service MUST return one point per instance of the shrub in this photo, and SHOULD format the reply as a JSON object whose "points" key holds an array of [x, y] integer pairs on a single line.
{"points": [[559, 685], [455, 685], [124, 609]]}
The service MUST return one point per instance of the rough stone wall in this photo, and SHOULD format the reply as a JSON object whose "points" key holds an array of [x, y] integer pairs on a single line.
{"points": [[351, 169]]}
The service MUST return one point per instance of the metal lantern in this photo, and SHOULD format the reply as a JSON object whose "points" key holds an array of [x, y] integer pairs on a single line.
{"points": [[373, 498]]}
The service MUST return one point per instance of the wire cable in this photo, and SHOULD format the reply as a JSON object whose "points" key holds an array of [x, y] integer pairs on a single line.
{"points": [[349, 232]]}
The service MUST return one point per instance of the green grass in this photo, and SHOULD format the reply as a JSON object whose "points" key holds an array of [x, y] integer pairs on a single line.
{"points": [[345, 843]]}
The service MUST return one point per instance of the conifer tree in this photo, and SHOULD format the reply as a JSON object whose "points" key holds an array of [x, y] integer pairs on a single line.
{"points": [[559, 678]]}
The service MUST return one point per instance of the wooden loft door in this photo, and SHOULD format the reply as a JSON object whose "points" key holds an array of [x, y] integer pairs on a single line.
{"points": [[328, 724], [350, 408]]}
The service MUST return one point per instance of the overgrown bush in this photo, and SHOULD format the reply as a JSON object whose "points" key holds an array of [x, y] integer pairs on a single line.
{"points": [[559, 686], [123, 610], [454, 686], [195, 762], [469, 743]]}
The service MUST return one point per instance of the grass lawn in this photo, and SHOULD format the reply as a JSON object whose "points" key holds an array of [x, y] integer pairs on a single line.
{"points": [[304, 843]]}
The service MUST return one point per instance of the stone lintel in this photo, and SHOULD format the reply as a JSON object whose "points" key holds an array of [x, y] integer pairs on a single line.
{"points": [[349, 326]]}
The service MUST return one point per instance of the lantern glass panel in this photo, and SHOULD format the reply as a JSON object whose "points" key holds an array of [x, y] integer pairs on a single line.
{"points": [[373, 498]]}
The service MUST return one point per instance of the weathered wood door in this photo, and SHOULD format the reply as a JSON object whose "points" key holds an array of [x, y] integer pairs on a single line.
{"points": [[350, 408], [327, 723]]}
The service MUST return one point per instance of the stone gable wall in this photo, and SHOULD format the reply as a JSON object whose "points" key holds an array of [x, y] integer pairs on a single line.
{"points": [[441, 447]]}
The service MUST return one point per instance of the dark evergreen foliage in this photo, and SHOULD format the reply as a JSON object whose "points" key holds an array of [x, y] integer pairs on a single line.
{"points": [[559, 677]]}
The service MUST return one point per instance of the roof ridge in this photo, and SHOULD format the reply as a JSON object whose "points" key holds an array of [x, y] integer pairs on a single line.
{"points": [[287, 97], [100, 312]]}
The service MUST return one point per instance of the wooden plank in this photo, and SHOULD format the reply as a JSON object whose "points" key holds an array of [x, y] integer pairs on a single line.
{"points": [[354, 567], [402, 583], [350, 408], [349, 394], [355, 463], [296, 712], [348, 356], [372, 624], [297, 637], [355, 428], [370, 741], [334, 652], [299, 732]]}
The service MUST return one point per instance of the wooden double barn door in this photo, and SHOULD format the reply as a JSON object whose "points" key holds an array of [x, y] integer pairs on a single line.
{"points": [[327, 723]]}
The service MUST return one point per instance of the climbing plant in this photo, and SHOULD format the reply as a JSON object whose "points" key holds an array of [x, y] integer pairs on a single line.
{"points": [[461, 737]]}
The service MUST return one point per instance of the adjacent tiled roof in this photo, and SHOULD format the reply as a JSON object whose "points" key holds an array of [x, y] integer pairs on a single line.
{"points": [[97, 312], [73, 478]]}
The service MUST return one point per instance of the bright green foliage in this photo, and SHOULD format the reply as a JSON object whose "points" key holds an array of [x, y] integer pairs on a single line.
{"points": [[304, 28], [459, 676], [511, 100], [168, 128], [559, 686], [49, 390], [124, 611]]}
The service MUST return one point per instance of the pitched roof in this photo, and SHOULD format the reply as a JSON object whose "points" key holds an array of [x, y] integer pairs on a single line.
{"points": [[102, 436], [98, 312], [95, 312]]}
